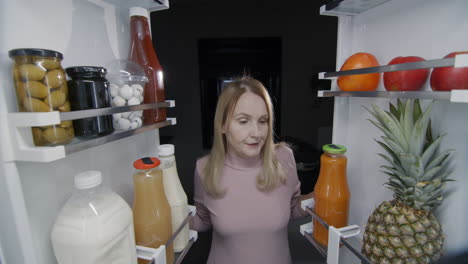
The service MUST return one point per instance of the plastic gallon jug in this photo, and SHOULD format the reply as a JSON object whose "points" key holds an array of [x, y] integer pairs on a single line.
{"points": [[95, 225], [175, 195]]}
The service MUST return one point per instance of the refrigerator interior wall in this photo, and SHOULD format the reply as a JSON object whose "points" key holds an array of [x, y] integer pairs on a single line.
{"points": [[93, 32], [427, 28]]}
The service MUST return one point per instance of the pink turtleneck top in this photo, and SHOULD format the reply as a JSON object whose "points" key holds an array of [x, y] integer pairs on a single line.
{"points": [[249, 226]]}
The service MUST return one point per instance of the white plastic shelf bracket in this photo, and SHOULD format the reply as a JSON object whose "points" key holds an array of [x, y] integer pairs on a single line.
{"points": [[23, 147], [461, 60], [157, 255], [334, 237], [309, 203]]}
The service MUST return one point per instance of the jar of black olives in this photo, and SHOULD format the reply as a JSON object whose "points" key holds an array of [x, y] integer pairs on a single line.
{"points": [[89, 89], [41, 86]]}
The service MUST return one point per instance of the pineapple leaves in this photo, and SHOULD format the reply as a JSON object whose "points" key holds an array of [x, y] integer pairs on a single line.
{"points": [[407, 120], [418, 134], [393, 145], [384, 130], [439, 160], [392, 124], [407, 160], [430, 174], [401, 106], [394, 111], [394, 162], [417, 111], [388, 149], [401, 176], [416, 171], [430, 150]]}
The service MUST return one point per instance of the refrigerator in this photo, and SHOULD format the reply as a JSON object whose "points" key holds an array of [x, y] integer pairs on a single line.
{"points": [[35, 182], [430, 29]]}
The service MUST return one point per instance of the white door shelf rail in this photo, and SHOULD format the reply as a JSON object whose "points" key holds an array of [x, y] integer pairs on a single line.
{"points": [[23, 148], [456, 96], [158, 255], [335, 236]]}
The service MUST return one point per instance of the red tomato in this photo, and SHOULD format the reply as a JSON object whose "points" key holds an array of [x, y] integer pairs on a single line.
{"points": [[450, 78], [412, 80], [361, 82]]}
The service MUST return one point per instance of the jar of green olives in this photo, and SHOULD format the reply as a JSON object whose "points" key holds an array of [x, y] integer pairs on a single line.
{"points": [[41, 86]]}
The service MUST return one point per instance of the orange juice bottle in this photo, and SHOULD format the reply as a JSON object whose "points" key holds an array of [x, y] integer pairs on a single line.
{"points": [[331, 192], [151, 211]]}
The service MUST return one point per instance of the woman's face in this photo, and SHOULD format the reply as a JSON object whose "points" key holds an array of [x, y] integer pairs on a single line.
{"points": [[247, 128]]}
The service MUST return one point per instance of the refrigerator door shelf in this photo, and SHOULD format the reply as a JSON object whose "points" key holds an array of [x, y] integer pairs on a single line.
{"points": [[460, 60], [454, 96], [335, 236], [158, 255], [23, 148]]}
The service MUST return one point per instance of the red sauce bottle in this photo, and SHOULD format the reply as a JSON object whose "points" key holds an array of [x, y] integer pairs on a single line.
{"points": [[143, 53]]}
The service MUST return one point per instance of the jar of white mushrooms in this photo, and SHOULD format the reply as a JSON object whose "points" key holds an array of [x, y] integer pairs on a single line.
{"points": [[127, 81]]}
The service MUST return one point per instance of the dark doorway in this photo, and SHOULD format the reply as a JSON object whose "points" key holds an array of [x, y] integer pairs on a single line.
{"points": [[221, 60]]}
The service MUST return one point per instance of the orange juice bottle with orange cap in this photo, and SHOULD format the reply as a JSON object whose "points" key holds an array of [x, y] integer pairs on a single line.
{"points": [[331, 192], [151, 211]]}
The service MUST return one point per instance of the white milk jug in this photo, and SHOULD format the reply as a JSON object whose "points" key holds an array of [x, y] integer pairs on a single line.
{"points": [[175, 195], [94, 226]]}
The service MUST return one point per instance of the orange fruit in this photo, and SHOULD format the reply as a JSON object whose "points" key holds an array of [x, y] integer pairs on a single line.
{"points": [[360, 82]]}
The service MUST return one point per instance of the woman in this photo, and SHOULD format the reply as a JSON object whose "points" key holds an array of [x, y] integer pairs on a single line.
{"points": [[247, 189]]}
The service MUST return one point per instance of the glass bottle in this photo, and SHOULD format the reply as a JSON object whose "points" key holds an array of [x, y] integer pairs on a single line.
{"points": [[151, 210], [331, 192], [143, 53], [41, 86]]}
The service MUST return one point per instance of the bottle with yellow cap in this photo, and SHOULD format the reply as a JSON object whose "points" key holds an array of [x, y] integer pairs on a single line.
{"points": [[151, 210]]}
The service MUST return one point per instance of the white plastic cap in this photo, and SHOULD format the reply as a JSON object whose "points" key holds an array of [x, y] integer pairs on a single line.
{"points": [[88, 179], [166, 150], [139, 11]]}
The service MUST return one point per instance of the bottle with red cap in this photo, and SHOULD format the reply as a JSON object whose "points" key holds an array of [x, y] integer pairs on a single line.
{"points": [[151, 210]]}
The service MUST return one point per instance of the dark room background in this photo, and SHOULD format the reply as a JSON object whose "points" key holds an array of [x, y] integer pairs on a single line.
{"points": [[304, 43]]}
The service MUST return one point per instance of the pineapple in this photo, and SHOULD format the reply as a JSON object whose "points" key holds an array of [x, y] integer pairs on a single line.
{"points": [[404, 230]]}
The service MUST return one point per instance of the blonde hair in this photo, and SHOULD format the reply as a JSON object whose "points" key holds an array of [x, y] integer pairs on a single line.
{"points": [[271, 176]]}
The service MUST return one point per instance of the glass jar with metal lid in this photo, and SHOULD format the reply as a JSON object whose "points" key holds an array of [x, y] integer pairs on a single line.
{"points": [[41, 86], [89, 89]]}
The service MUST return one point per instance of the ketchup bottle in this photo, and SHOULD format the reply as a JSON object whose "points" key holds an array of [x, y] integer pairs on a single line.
{"points": [[331, 192], [142, 52]]}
